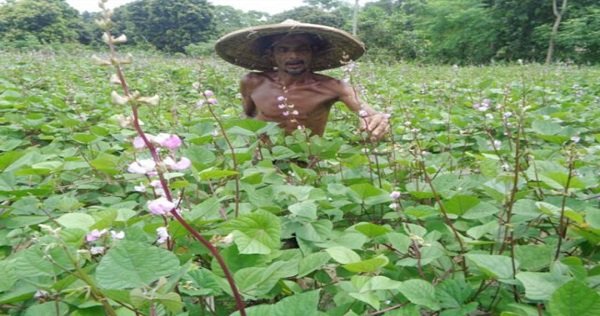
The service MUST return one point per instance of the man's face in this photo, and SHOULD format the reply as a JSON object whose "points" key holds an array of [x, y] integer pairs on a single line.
{"points": [[292, 53]]}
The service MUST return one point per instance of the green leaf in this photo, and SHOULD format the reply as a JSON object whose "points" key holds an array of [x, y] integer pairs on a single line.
{"points": [[84, 138], [495, 266], [460, 204], [343, 255], [372, 230], [303, 304], [453, 293], [305, 209], [534, 257], [48, 308], [541, 285], [420, 292], [134, 264], [106, 163], [574, 298], [9, 277], [256, 233], [76, 220], [367, 266], [546, 127], [312, 262], [257, 281], [369, 194], [592, 217], [213, 174], [172, 301]]}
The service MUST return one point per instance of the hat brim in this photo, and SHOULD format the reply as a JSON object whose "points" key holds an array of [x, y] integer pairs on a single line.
{"points": [[245, 47]]}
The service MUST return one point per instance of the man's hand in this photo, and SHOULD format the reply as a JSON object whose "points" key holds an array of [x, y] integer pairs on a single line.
{"points": [[377, 125]]}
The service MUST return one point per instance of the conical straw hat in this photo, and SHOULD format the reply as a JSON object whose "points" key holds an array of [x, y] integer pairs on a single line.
{"points": [[248, 47]]}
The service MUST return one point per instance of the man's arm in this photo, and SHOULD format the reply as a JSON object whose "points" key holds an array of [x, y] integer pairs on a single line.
{"points": [[247, 85], [375, 123]]}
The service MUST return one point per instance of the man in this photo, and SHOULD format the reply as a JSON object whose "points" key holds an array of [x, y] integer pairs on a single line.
{"points": [[287, 90]]}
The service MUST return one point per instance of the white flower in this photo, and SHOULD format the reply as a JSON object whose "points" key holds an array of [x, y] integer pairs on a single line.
{"points": [[117, 235], [163, 235], [97, 250], [394, 206], [142, 166], [228, 239], [363, 113], [139, 188], [575, 139], [40, 294]]}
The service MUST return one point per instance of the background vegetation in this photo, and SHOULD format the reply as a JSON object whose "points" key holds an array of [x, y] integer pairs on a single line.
{"points": [[431, 31]]}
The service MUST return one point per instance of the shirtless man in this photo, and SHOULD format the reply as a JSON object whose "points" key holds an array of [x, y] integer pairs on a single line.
{"points": [[290, 93]]}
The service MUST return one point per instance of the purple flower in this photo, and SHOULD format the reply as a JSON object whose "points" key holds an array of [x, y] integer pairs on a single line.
{"points": [[160, 206], [212, 101], [363, 113], [95, 235], [138, 143], [281, 106], [208, 93], [171, 142], [285, 113], [182, 164], [395, 195], [280, 98]]}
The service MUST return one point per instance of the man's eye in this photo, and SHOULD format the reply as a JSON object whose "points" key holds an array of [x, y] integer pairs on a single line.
{"points": [[281, 49]]}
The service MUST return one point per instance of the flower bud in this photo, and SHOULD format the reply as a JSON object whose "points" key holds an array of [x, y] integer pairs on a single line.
{"points": [[120, 40], [99, 61], [118, 99], [153, 100]]}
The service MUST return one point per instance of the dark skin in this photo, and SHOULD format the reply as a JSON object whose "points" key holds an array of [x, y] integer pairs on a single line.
{"points": [[311, 95]]}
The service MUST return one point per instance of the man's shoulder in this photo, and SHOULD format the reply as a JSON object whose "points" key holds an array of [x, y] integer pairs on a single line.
{"points": [[256, 77]]}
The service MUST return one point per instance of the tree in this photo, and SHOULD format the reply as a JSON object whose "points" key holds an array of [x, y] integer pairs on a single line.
{"points": [[168, 25], [558, 14], [45, 21], [231, 19], [313, 15]]}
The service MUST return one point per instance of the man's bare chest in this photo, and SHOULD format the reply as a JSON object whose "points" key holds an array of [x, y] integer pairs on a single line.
{"points": [[272, 99]]}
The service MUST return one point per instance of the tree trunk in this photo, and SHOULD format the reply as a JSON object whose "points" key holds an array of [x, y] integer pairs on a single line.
{"points": [[355, 18], [558, 16]]}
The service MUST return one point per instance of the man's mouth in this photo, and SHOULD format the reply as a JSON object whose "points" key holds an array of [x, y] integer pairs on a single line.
{"points": [[295, 63]]}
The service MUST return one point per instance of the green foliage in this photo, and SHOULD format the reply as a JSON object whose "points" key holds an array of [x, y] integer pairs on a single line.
{"points": [[308, 14], [458, 31], [29, 23], [167, 25], [321, 240]]}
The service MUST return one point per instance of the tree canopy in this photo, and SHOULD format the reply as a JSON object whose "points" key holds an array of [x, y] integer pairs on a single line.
{"points": [[434, 31]]}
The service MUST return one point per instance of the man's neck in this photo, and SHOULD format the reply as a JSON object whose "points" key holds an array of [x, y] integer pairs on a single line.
{"points": [[287, 80]]}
